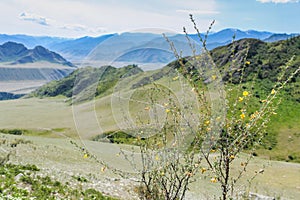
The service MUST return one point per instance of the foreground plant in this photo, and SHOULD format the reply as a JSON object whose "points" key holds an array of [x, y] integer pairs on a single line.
{"points": [[224, 128], [195, 122]]}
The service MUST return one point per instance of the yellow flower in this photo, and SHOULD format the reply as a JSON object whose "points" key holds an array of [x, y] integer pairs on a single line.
{"points": [[162, 173], [207, 122], [167, 110], [213, 180], [241, 99], [214, 77], [247, 62], [203, 170], [212, 150], [245, 93], [147, 108], [157, 157], [231, 157], [85, 156], [242, 116], [273, 91], [175, 78]]}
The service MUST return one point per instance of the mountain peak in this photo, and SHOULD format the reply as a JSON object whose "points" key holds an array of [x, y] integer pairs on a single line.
{"points": [[16, 53], [41, 50], [12, 49], [10, 44]]}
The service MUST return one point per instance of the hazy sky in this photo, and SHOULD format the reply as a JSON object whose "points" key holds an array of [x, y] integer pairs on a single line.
{"points": [[76, 18]]}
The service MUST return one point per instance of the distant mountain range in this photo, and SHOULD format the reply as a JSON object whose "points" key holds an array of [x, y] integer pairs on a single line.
{"points": [[47, 58], [23, 70], [135, 47], [15, 53], [32, 41]]}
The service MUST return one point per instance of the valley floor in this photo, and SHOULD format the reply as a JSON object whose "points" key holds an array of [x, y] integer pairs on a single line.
{"points": [[52, 124], [65, 162]]}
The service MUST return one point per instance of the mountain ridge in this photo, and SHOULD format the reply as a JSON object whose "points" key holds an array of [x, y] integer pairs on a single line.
{"points": [[78, 49], [80, 84], [16, 53], [23, 69]]}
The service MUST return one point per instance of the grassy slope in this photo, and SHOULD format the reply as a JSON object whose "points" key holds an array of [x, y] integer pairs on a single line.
{"points": [[58, 159], [95, 117], [86, 83], [282, 142], [53, 118], [39, 115], [29, 185], [285, 126], [55, 156]]}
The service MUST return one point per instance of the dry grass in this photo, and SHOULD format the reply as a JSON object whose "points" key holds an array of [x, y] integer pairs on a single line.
{"points": [[280, 179], [43, 114], [57, 155]]}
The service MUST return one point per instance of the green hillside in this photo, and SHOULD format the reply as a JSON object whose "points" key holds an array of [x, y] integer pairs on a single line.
{"points": [[266, 61], [82, 80], [264, 65]]}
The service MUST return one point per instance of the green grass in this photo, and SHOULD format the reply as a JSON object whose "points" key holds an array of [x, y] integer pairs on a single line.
{"points": [[284, 130], [44, 117], [67, 164], [22, 182], [118, 137], [26, 132], [86, 83], [52, 117]]}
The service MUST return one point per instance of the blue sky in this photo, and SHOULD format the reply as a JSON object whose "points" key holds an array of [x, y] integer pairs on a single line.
{"points": [[76, 18]]}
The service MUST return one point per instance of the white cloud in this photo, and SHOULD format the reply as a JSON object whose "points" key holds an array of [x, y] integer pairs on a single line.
{"points": [[75, 18], [83, 28], [61, 25], [74, 27], [35, 18], [278, 1]]}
